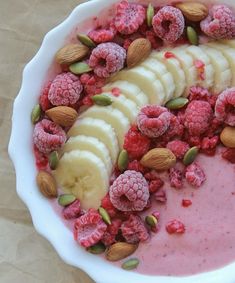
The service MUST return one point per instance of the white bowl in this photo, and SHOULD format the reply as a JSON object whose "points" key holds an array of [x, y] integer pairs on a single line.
{"points": [[45, 220]]}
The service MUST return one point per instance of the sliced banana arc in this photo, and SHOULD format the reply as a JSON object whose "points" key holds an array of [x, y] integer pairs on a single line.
{"points": [[228, 42], [222, 75], [131, 91], [111, 116], [92, 145], [99, 129], [84, 175]]}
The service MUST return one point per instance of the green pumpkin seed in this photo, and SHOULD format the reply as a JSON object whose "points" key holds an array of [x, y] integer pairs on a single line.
{"points": [[192, 36], [151, 220], [190, 155], [79, 68], [150, 14], [86, 40], [176, 103], [36, 113], [66, 199], [53, 160], [123, 160], [102, 100], [130, 264], [97, 249], [105, 216]]}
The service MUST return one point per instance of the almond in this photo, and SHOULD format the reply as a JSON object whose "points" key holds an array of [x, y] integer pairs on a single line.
{"points": [[227, 137], [193, 11], [159, 159], [138, 51], [71, 53], [47, 184], [62, 115], [120, 251]]}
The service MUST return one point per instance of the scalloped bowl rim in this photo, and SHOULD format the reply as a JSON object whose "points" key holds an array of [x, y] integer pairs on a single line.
{"points": [[45, 220]]}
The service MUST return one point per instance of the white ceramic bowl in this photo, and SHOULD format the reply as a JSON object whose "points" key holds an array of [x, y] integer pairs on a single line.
{"points": [[45, 220]]}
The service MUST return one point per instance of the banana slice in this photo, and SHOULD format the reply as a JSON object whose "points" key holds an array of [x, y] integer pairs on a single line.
{"points": [[112, 116], [187, 64], [161, 74], [223, 75], [228, 42], [173, 66], [92, 145], [229, 54], [126, 106], [84, 175], [146, 81], [198, 54], [131, 91], [99, 129]]}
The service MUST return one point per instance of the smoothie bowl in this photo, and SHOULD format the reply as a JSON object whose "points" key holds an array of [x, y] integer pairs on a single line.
{"points": [[127, 163]]}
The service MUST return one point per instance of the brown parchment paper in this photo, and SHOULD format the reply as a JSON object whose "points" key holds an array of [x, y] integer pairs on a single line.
{"points": [[25, 257]]}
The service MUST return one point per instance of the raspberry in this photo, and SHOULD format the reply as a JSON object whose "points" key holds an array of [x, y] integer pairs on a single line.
{"points": [[129, 17], [152, 175], [65, 90], [109, 236], [229, 154], [127, 42], [134, 230], [72, 211], [155, 42], [41, 159], [153, 120], [160, 196], [155, 185], [176, 178], [220, 23], [129, 192], [136, 166], [168, 23], [195, 175], [175, 227], [108, 206], [175, 130], [225, 107], [89, 228], [135, 143], [43, 99], [208, 145], [107, 59], [199, 93], [179, 148], [186, 202], [198, 116], [101, 35], [48, 136]]}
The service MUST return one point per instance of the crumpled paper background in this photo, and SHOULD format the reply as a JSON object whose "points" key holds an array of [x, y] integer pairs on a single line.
{"points": [[25, 257]]}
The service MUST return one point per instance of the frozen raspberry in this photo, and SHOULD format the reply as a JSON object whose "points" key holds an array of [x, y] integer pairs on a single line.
{"points": [[176, 178], [129, 192], [175, 130], [155, 42], [127, 42], [229, 154], [109, 236], [136, 166], [134, 230], [199, 93], [160, 196], [101, 35], [107, 59], [89, 228], [153, 120], [48, 136], [41, 159], [72, 211], [129, 17], [208, 145], [135, 143], [152, 175], [108, 206], [195, 175], [198, 116], [65, 90], [175, 227], [43, 99], [225, 107], [155, 185], [186, 202], [179, 148], [220, 23], [168, 23]]}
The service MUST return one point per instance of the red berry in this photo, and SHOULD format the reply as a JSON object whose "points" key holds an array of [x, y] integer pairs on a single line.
{"points": [[195, 175], [160, 196], [229, 154], [176, 178], [108, 206], [175, 227], [102, 35], [41, 159], [73, 210], [136, 166], [208, 145], [155, 185], [179, 148], [109, 236], [186, 202], [175, 130], [43, 99]]}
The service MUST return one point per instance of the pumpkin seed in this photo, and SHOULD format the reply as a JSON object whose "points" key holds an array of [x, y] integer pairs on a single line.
{"points": [[105, 216], [102, 100], [130, 264], [192, 36], [97, 249], [66, 199], [177, 103], [190, 155], [86, 40], [36, 113], [53, 160], [79, 68], [151, 220], [150, 14], [123, 160]]}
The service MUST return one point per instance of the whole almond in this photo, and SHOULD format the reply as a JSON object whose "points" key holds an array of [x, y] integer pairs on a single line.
{"points": [[159, 159], [47, 184], [71, 53], [227, 137], [193, 11], [120, 251], [62, 115], [138, 51]]}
